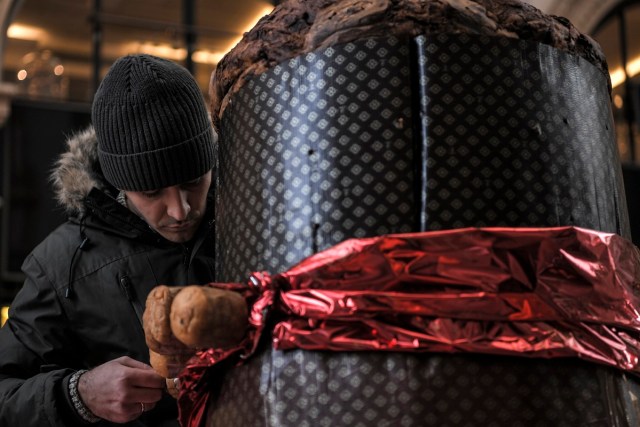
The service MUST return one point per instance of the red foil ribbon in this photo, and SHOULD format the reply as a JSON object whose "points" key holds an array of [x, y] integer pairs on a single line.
{"points": [[551, 292]]}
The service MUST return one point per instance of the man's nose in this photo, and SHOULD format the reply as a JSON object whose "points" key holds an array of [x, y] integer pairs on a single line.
{"points": [[177, 204]]}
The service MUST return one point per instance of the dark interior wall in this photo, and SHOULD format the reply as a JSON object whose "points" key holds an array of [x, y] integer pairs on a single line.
{"points": [[31, 141], [631, 175]]}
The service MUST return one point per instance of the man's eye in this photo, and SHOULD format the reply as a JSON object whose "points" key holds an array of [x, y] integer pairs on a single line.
{"points": [[193, 183], [150, 194]]}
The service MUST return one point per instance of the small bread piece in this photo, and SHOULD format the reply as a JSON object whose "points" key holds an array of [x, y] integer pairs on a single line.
{"points": [[173, 386], [169, 366], [156, 321], [206, 317]]}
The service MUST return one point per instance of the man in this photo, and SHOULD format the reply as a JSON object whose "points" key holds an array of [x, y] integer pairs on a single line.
{"points": [[73, 351]]}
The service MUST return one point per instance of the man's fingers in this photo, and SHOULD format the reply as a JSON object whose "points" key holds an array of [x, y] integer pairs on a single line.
{"points": [[119, 389], [132, 363], [173, 387], [147, 379], [148, 396], [136, 409], [142, 375]]}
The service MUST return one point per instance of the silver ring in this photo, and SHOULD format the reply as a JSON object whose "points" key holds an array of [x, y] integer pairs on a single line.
{"points": [[142, 407]]}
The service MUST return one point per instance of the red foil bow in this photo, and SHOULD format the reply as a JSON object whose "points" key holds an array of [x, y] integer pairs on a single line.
{"points": [[552, 292]]}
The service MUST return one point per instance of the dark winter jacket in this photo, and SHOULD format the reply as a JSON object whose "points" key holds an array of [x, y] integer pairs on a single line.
{"points": [[82, 302]]}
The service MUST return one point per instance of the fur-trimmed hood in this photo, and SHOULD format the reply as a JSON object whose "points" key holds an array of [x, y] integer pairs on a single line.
{"points": [[80, 187], [77, 171]]}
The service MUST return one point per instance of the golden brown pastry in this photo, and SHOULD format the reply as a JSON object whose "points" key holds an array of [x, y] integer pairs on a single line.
{"points": [[167, 355], [179, 320], [205, 317], [156, 323], [169, 365], [173, 386]]}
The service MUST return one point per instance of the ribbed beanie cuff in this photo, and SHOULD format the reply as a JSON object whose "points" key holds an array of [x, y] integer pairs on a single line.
{"points": [[152, 125], [159, 168]]}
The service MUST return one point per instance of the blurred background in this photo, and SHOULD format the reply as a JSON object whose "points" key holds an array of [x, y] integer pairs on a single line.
{"points": [[53, 54]]}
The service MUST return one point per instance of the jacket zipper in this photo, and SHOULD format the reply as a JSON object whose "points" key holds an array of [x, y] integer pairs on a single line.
{"points": [[186, 261], [125, 284]]}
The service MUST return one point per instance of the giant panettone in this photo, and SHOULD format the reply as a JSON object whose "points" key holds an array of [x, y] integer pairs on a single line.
{"points": [[356, 118]]}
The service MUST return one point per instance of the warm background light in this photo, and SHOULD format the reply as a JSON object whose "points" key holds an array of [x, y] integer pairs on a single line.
{"points": [[250, 24], [24, 32], [162, 50], [4, 315], [201, 56], [131, 29], [633, 69]]}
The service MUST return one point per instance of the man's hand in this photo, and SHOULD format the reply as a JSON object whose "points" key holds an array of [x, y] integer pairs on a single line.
{"points": [[120, 389]]}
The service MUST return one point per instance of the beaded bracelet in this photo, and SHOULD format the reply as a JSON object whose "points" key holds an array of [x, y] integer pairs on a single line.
{"points": [[84, 412]]}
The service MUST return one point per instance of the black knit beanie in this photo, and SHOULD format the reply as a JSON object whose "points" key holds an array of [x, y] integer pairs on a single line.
{"points": [[152, 125]]}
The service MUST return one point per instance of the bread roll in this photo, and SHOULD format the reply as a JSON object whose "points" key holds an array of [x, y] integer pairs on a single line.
{"points": [[205, 317], [156, 323], [169, 365]]}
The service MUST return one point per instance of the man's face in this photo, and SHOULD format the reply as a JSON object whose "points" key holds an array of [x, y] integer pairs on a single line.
{"points": [[174, 212]]}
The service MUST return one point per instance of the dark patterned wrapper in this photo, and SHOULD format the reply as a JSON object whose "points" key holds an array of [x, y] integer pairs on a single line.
{"points": [[395, 136], [390, 136], [548, 293]]}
